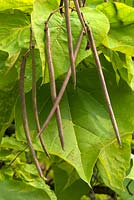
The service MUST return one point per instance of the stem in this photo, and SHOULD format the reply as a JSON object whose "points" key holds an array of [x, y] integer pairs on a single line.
{"points": [[34, 97], [64, 85], [53, 85], [53, 12], [70, 43]]}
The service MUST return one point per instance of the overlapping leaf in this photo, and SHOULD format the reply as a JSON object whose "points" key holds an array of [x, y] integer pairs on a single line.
{"points": [[23, 5], [14, 31], [11, 189], [7, 103], [123, 66], [131, 173], [121, 18], [67, 182]]}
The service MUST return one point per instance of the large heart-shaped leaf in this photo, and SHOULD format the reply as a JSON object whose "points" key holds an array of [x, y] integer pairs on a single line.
{"points": [[88, 132]]}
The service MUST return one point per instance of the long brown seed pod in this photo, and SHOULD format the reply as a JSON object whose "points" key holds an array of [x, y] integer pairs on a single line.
{"points": [[64, 85], [70, 42], [103, 84], [53, 85], [99, 68], [34, 97], [24, 114]]}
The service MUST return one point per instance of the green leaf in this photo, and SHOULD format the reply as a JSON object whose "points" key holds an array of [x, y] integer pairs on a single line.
{"points": [[109, 161], [14, 31], [93, 3], [12, 143], [59, 43], [8, 73], [123, 195], [7, 103], [41, 11], [23, 5], [10, 189], [28, 70], [67, 182], [96, 20], [86, 124], [121, 18], [131, 173], [76, 190], [123, 66]]}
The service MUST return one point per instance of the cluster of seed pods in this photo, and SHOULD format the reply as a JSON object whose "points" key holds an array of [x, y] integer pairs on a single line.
{"points": [[64, 10]]}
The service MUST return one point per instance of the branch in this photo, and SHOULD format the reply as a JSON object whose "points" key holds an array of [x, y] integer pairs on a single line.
{"points": [[70, 43], [34, 96], [53, 85], [53, 12], [64, 85]]}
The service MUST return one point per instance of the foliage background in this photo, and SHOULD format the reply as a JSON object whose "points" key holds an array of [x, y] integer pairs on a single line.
{"points": [[92, 156]]}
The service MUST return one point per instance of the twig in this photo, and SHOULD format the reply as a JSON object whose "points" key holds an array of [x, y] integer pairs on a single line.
{"points": [[58, 99], [24, 113], [34, 98], [17, 155], [92, 195], [70, 42], [53, 85], [53, 12], [103, 84]]}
